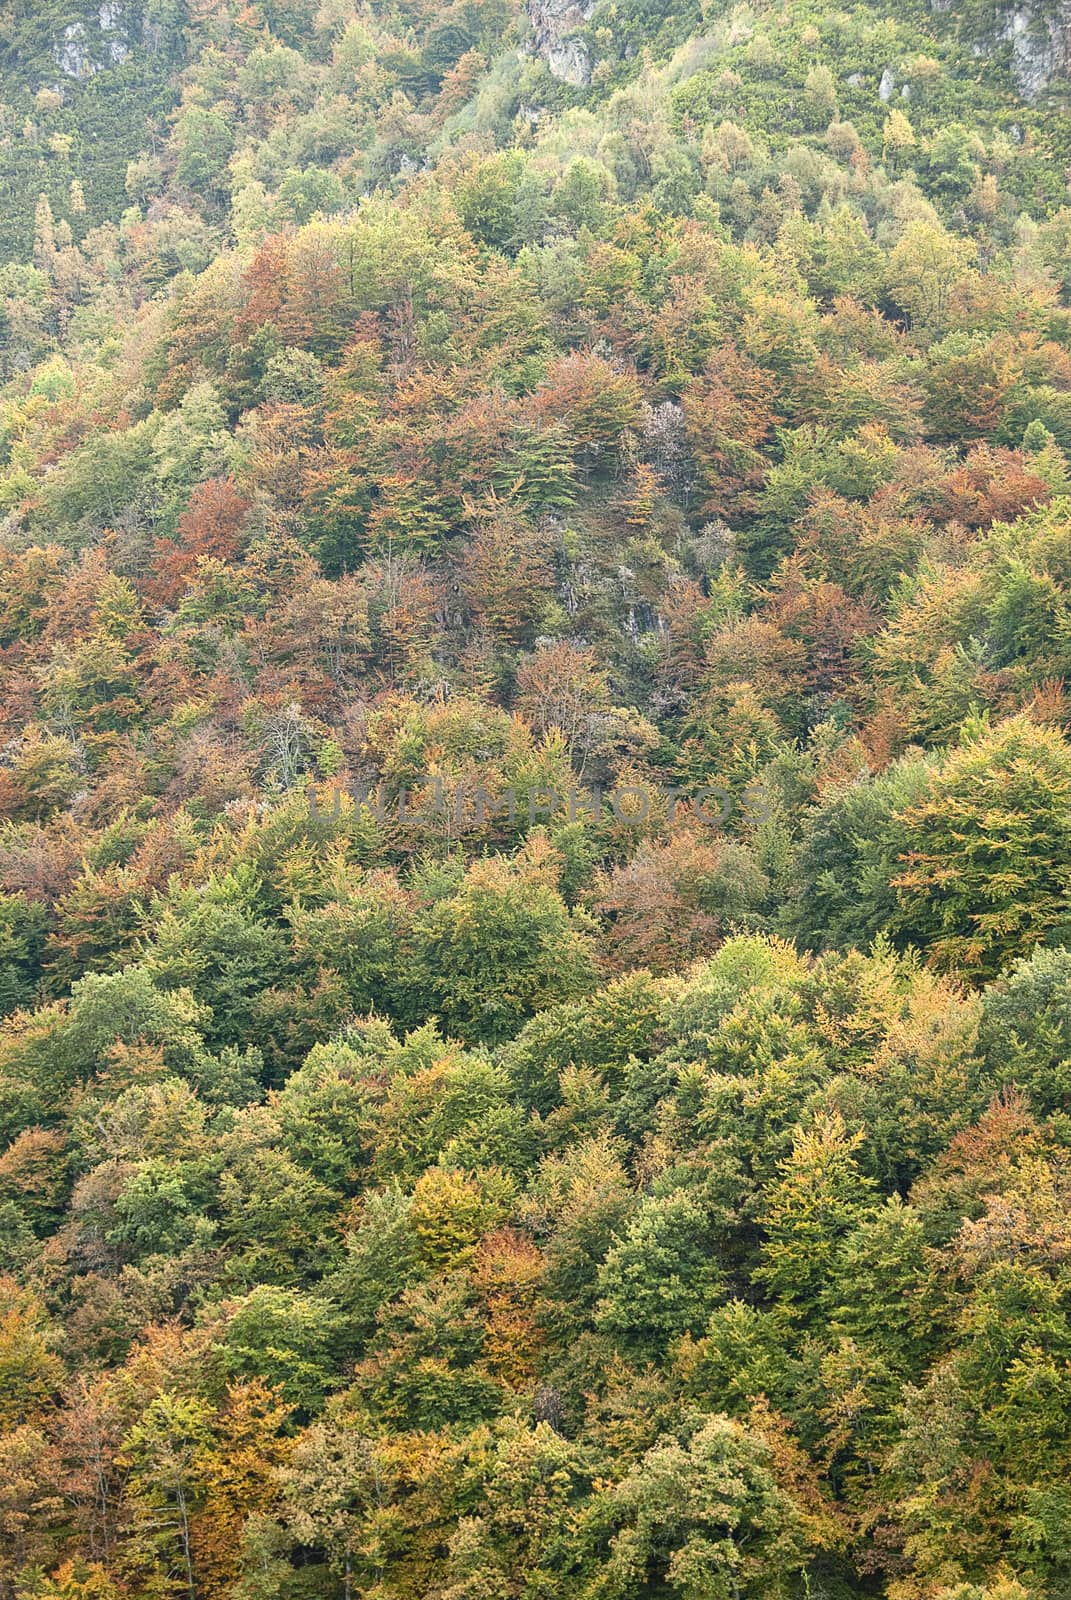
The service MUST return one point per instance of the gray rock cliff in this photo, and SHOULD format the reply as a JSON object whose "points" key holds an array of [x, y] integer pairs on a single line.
{"points": [[554, 24], [1039, 32]]}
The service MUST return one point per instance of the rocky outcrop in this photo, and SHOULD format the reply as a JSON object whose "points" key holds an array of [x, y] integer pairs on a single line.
{"points": [[71, 54], [1041, 46], [1039, 32], [86, 48], [554, 29]]}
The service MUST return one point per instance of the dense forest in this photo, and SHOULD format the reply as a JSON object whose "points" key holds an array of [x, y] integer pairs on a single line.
{"points": [[535, 800]]}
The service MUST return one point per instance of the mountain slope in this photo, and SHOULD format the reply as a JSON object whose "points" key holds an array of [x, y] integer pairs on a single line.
{"points": [[535, 777]]}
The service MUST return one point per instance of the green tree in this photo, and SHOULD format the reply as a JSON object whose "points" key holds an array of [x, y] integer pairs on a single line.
{"points": [[204, 143], [986, 872], [820, 1197], [926, 266], [162, 1452], [705, 1520], [1026, 1029], [662, 1279], [500, 948], [287, 1338]]}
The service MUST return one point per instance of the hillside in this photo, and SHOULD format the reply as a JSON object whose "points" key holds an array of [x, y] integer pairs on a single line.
{"points": [[83, 90], [535, 802]]}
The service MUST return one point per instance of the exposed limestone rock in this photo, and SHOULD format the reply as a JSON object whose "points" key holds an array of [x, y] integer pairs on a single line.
{"points": [[1041, 46], [554, 22], [81, 53], [1039, 32], [72, 55]]}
